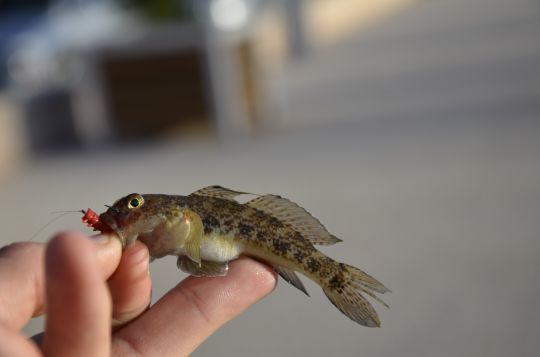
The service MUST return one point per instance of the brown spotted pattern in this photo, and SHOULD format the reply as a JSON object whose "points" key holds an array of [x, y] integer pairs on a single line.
{"points": [[257, 228], [225, 217], [262, 232]]}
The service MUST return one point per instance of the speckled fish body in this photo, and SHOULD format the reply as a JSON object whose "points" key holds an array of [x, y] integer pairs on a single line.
{"points": [[209, 228]]}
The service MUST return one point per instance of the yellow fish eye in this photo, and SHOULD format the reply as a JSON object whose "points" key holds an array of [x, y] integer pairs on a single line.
{"points": [[135, 202]]}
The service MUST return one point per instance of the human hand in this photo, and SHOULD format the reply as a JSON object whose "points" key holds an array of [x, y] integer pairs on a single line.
{"points": [[88, 288]]}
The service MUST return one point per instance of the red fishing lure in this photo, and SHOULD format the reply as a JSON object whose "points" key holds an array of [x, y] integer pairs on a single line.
{"points": [[91, 218]]}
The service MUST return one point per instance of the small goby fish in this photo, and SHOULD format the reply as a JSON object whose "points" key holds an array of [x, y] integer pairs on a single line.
{"points": [[209, 228]]}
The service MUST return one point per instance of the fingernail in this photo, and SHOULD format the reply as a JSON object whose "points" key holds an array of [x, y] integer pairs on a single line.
{"points": [[101, 238], [139, 254], [138, 258]]}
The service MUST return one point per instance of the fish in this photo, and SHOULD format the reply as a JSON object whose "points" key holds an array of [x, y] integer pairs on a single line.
{"points": [[210, 227]]}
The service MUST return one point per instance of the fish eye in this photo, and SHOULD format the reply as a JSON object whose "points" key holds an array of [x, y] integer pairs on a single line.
{"points": [[135, 202]]}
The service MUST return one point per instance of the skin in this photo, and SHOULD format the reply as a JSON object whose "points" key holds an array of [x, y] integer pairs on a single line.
{"points": [[86, 286]]}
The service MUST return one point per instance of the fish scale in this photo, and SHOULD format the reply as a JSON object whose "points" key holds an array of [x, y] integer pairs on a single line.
{"points": [[208, 228]]}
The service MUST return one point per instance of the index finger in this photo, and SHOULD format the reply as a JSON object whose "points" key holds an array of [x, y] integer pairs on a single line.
{"points": [[188, 314], [22, 278]]}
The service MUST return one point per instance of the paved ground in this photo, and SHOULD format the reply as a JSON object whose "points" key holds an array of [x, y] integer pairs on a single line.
{"points": [[437, 59], [428, 169]]}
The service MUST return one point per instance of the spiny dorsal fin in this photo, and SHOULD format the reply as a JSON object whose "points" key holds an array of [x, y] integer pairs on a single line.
{"points": [[290, 277], [298, 218], [219, 192]]}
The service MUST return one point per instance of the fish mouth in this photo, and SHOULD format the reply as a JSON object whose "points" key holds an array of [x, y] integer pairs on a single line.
{"points": [[114, 227]]}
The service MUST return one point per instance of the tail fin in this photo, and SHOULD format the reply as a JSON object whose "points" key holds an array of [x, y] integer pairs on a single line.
{"points": [[345, 290]]}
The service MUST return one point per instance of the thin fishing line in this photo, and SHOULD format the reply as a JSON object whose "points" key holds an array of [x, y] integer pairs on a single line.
{"points": [[61, 214]]}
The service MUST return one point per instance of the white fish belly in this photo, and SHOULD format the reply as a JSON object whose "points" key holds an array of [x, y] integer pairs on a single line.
{"points": [[220, 249]]}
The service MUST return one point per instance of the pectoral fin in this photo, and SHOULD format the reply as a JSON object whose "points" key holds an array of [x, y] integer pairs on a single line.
{"points": [[291, 277], [193, 250], [194, 236], [206, 268]]}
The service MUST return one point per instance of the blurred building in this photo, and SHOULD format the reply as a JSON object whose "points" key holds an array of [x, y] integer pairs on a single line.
{"points": [[87, 73], [83, 74]]}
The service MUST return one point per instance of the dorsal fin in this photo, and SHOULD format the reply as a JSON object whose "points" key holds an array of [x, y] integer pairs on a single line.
{"points": [[218, 192], [298, 218]]}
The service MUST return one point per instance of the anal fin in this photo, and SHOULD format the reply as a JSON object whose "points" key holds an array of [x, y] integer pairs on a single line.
{"points": [[291, 277], [205, 268]]}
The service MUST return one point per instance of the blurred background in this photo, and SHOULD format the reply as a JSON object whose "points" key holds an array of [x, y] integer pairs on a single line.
{"points": [[410, 128]]}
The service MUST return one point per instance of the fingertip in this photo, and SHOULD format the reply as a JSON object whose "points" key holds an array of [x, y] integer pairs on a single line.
{"points": [[130, 285], [134, 264], [22, 250], [71, 249], [108, 252], [137, 255], [15, 344], [78, 304], [106, 248], [262, 277], [59, 240], [22, 275]]}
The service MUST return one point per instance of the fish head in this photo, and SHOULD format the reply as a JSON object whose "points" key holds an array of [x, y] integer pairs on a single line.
{"points": [[132, 216]]}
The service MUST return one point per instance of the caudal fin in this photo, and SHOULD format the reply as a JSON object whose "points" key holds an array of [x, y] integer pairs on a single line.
{"points": [[345, 291]]}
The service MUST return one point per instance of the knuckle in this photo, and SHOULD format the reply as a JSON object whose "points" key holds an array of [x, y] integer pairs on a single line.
{"points": [[197, 303], [125, 346], [20, 249]]}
